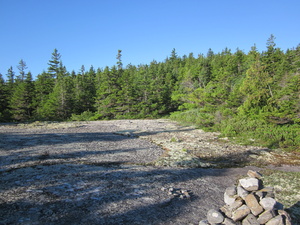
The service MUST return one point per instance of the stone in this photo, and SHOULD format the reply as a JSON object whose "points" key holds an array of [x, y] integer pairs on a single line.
{"points": [[203, 222], [226, 210], [268, 203], [286, 217], [214, 216], [231, 191], [186, 194], [253, 204], [242, 192], [249, 184], [240, 213], [238, 203], [228, 221], [171, 189], [254, 174], [266, 192], [228, 199], [277, 220], [163, 189], [266, 216], [250, 220]]}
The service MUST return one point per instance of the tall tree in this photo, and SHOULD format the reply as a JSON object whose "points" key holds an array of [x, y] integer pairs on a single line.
{"points": [[4, 113], [59, 104], [22, 67], [21, 102], [43, 86], [10, 76], [84, 91], [119, 58], [54, 63], [257, 88]]}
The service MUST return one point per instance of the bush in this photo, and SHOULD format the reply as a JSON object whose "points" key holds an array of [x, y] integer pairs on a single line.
{"points": [[194, 117], [85, 116], [266, 134]]}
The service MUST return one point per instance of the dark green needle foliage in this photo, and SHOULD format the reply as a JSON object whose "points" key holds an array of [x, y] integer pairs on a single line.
{"points": [[253, 96]]}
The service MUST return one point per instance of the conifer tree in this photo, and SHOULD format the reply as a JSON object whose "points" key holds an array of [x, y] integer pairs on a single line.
{"points": [[4, 113], [43, 86], [119, 58], [22, 67], [21, 102], [84, 91], [54, 63], [11, 77]]}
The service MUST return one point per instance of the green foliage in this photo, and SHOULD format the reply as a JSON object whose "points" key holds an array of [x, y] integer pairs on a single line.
{"points": [[195, 117], [254, 97], [85, 116], [287, 189], [260, 132], [21, 101]]}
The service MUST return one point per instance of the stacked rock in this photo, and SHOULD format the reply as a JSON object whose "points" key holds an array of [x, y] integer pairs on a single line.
{"points": [[250, 203]]}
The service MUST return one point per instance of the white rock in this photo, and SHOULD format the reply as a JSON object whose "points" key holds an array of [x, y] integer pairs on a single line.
{"points": [[231, 191], [242, 192], [229, 200], [276, 221], [268, 203], [214, 216], [249, 184]]}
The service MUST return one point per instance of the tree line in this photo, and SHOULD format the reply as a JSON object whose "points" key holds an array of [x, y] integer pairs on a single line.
{"points": [[214, 90]]}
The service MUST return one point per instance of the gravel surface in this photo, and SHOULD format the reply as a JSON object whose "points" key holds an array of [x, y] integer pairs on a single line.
{"points": [[102, 173]]}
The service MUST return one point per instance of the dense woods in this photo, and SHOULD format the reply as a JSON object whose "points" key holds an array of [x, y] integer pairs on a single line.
{"points": [[254, 95]]}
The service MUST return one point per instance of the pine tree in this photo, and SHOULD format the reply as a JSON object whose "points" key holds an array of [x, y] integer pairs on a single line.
{"points": [[43, 86], [257, 89], [54, 63], [22, 67], [119, 58], [84, 91], [11, 78], [21, 102], [59, 104], [4, 113]]}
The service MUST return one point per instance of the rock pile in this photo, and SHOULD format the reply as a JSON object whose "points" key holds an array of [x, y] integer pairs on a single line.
{"points": [[249, 203], [178, 192]]}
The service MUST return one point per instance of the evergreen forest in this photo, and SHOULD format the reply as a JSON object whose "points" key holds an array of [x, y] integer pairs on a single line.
{"points": [[253, 97]]}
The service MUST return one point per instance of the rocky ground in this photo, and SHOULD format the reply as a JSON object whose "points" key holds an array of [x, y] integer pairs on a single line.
{"points": [[120, 172]]}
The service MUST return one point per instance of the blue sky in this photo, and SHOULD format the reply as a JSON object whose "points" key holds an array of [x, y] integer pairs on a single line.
{"points": [[90, 32]]}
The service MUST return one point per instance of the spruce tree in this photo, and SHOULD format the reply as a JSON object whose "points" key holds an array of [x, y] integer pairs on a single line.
{"points": [[43, 86], [22, 67], [4, 113], [21, 102], [54, 63]]}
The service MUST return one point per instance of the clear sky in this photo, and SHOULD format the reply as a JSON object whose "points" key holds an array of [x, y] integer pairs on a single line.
{"points": [[90, 32]]}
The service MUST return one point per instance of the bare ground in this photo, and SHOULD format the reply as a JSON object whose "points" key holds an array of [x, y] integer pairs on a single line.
{"points": [[119, 172]]}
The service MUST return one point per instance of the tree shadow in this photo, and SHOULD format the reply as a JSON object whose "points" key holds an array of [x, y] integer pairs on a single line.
{"points": [[118, 194], [294, 212], [14, 140], [116, 191]]}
